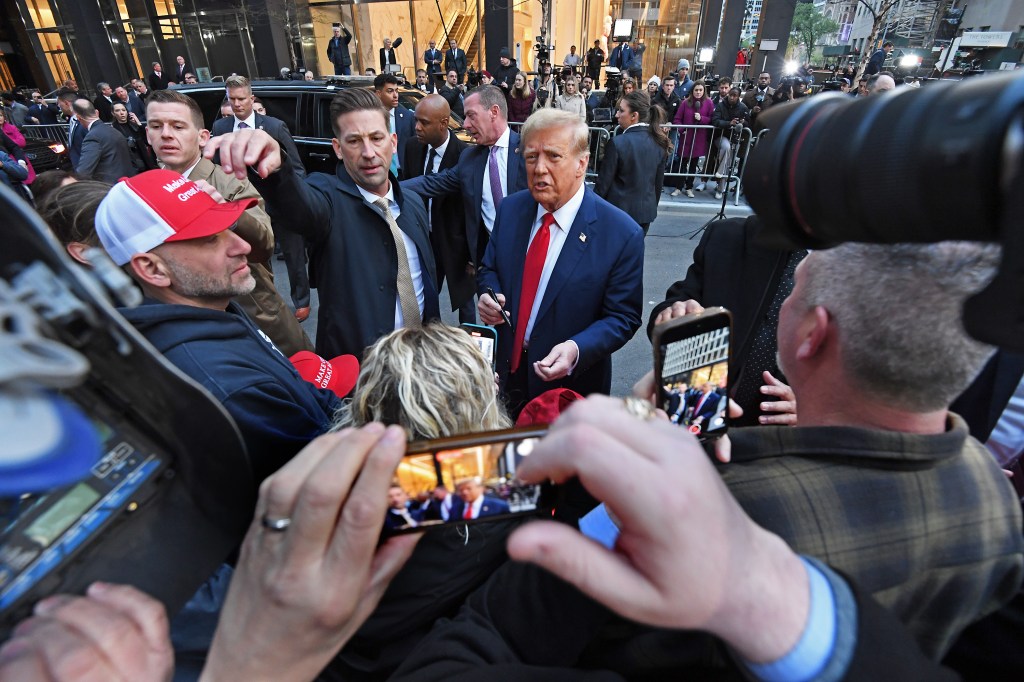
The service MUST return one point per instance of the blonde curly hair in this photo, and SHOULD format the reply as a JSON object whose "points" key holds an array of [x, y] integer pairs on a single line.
{"points": [[433, 381]]}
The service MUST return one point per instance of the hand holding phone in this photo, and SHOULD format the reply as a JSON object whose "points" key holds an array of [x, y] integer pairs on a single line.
{"points": [[691, 369], [466, 479]]}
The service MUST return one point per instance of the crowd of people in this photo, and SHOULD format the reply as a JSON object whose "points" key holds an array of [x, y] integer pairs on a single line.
{"points": [[852, 525]]}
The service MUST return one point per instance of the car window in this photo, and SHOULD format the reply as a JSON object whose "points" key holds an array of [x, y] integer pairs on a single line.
{"points": [[209, 103], [281, 106]]}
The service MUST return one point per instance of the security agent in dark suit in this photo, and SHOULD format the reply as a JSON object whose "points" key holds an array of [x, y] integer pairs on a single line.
{"points": [[293, 247], [76, 132], [566, 265], [455, 58], [475, 178], [157, 79], [401, 120], [355, 246], [432, 57], [400, 513], [633, 171], [104, 102], [181, 67], [434, 150], [105, 153]]}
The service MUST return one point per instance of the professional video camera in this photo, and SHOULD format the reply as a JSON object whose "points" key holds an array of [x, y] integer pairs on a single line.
{"points": [[963, 134], [612, 83], [831, 85], [114, 465], [543, 51], [711, 81], [472, 78]]}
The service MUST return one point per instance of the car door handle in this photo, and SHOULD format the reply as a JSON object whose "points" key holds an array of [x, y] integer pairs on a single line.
{"points": [[322, 157]]}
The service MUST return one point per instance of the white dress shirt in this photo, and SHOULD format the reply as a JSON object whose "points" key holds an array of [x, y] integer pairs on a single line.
{"points": [[410, 251], [438, 153], [251, 121], [487, 209], [564, 218], [475, 507]]}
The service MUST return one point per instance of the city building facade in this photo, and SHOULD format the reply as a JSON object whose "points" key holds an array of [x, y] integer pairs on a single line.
{"points": [[45, 42]]}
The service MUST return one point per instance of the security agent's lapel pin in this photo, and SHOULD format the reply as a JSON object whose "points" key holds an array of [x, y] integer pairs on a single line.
{"points": [[583, 238]]}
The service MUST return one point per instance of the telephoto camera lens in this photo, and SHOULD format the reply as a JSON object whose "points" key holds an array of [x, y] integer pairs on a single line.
{"points": [[909, 165]]}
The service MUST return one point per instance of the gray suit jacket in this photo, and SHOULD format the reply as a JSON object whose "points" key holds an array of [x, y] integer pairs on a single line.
{"points": [[105, 155]]}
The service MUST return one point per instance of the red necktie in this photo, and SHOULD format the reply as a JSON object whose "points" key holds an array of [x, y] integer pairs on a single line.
{"points": [[468, 514], [535, 257]]}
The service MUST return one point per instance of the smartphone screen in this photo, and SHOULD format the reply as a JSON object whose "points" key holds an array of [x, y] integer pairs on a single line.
{"points": [[465, 479], [693, 371], [485, 337]]}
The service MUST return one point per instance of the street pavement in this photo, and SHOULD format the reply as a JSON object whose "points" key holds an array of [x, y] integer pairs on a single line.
{"points": [[668, 252]]}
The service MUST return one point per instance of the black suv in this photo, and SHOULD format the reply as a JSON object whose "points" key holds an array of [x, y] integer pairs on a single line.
{"points": [[305, 107]]}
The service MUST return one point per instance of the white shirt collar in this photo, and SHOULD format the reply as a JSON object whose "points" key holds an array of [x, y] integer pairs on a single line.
{"points": [[565, 215], [504, 139], [251, 121], [440, 150], [637, 124], [390, 196]]}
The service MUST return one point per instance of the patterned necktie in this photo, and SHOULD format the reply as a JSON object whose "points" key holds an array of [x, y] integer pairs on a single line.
{"points": [[394, 154], [242, 125], [495, 177], [406, 292], [535, 257]]}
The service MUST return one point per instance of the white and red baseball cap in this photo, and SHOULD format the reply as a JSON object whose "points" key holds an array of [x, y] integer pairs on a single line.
{"points": [[143, 212]]}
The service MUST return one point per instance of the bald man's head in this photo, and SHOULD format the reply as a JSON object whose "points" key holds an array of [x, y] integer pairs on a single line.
{"points": [[432, 120]]}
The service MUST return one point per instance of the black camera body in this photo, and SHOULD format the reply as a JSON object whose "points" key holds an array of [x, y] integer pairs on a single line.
{"points": [[965, 134], [832, 86]]}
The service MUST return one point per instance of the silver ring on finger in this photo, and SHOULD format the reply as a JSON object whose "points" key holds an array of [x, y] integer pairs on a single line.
{"points": [[276, 525]]}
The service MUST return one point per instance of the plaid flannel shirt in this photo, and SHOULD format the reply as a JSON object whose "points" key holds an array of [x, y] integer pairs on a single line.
{"points": [[927, 523]]}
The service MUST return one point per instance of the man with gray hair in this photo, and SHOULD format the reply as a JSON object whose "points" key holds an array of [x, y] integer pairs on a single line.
{"points": [[565, 264], [104, 102], [879, 479], [486, 173]]}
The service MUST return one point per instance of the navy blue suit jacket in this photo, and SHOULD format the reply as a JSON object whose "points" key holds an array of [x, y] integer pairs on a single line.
{"points": [[710, 406], [405, 126], [594, 296], [491, 506], [467, 179], [75, 143]]}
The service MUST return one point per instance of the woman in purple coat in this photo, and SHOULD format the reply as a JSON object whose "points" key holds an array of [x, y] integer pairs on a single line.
{"points": [[520, 99], [696, 110]]}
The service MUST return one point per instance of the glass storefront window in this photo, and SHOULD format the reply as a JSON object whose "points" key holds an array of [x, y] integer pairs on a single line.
{"points": [[48, 28]]}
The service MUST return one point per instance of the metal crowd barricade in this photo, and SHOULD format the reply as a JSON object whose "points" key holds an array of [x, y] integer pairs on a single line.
{"points": [[57, 132], [598, 138], [724, 159]]}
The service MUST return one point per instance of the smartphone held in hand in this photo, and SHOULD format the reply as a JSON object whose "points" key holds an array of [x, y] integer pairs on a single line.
{"points": [[466, 479], [691, 370]]}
